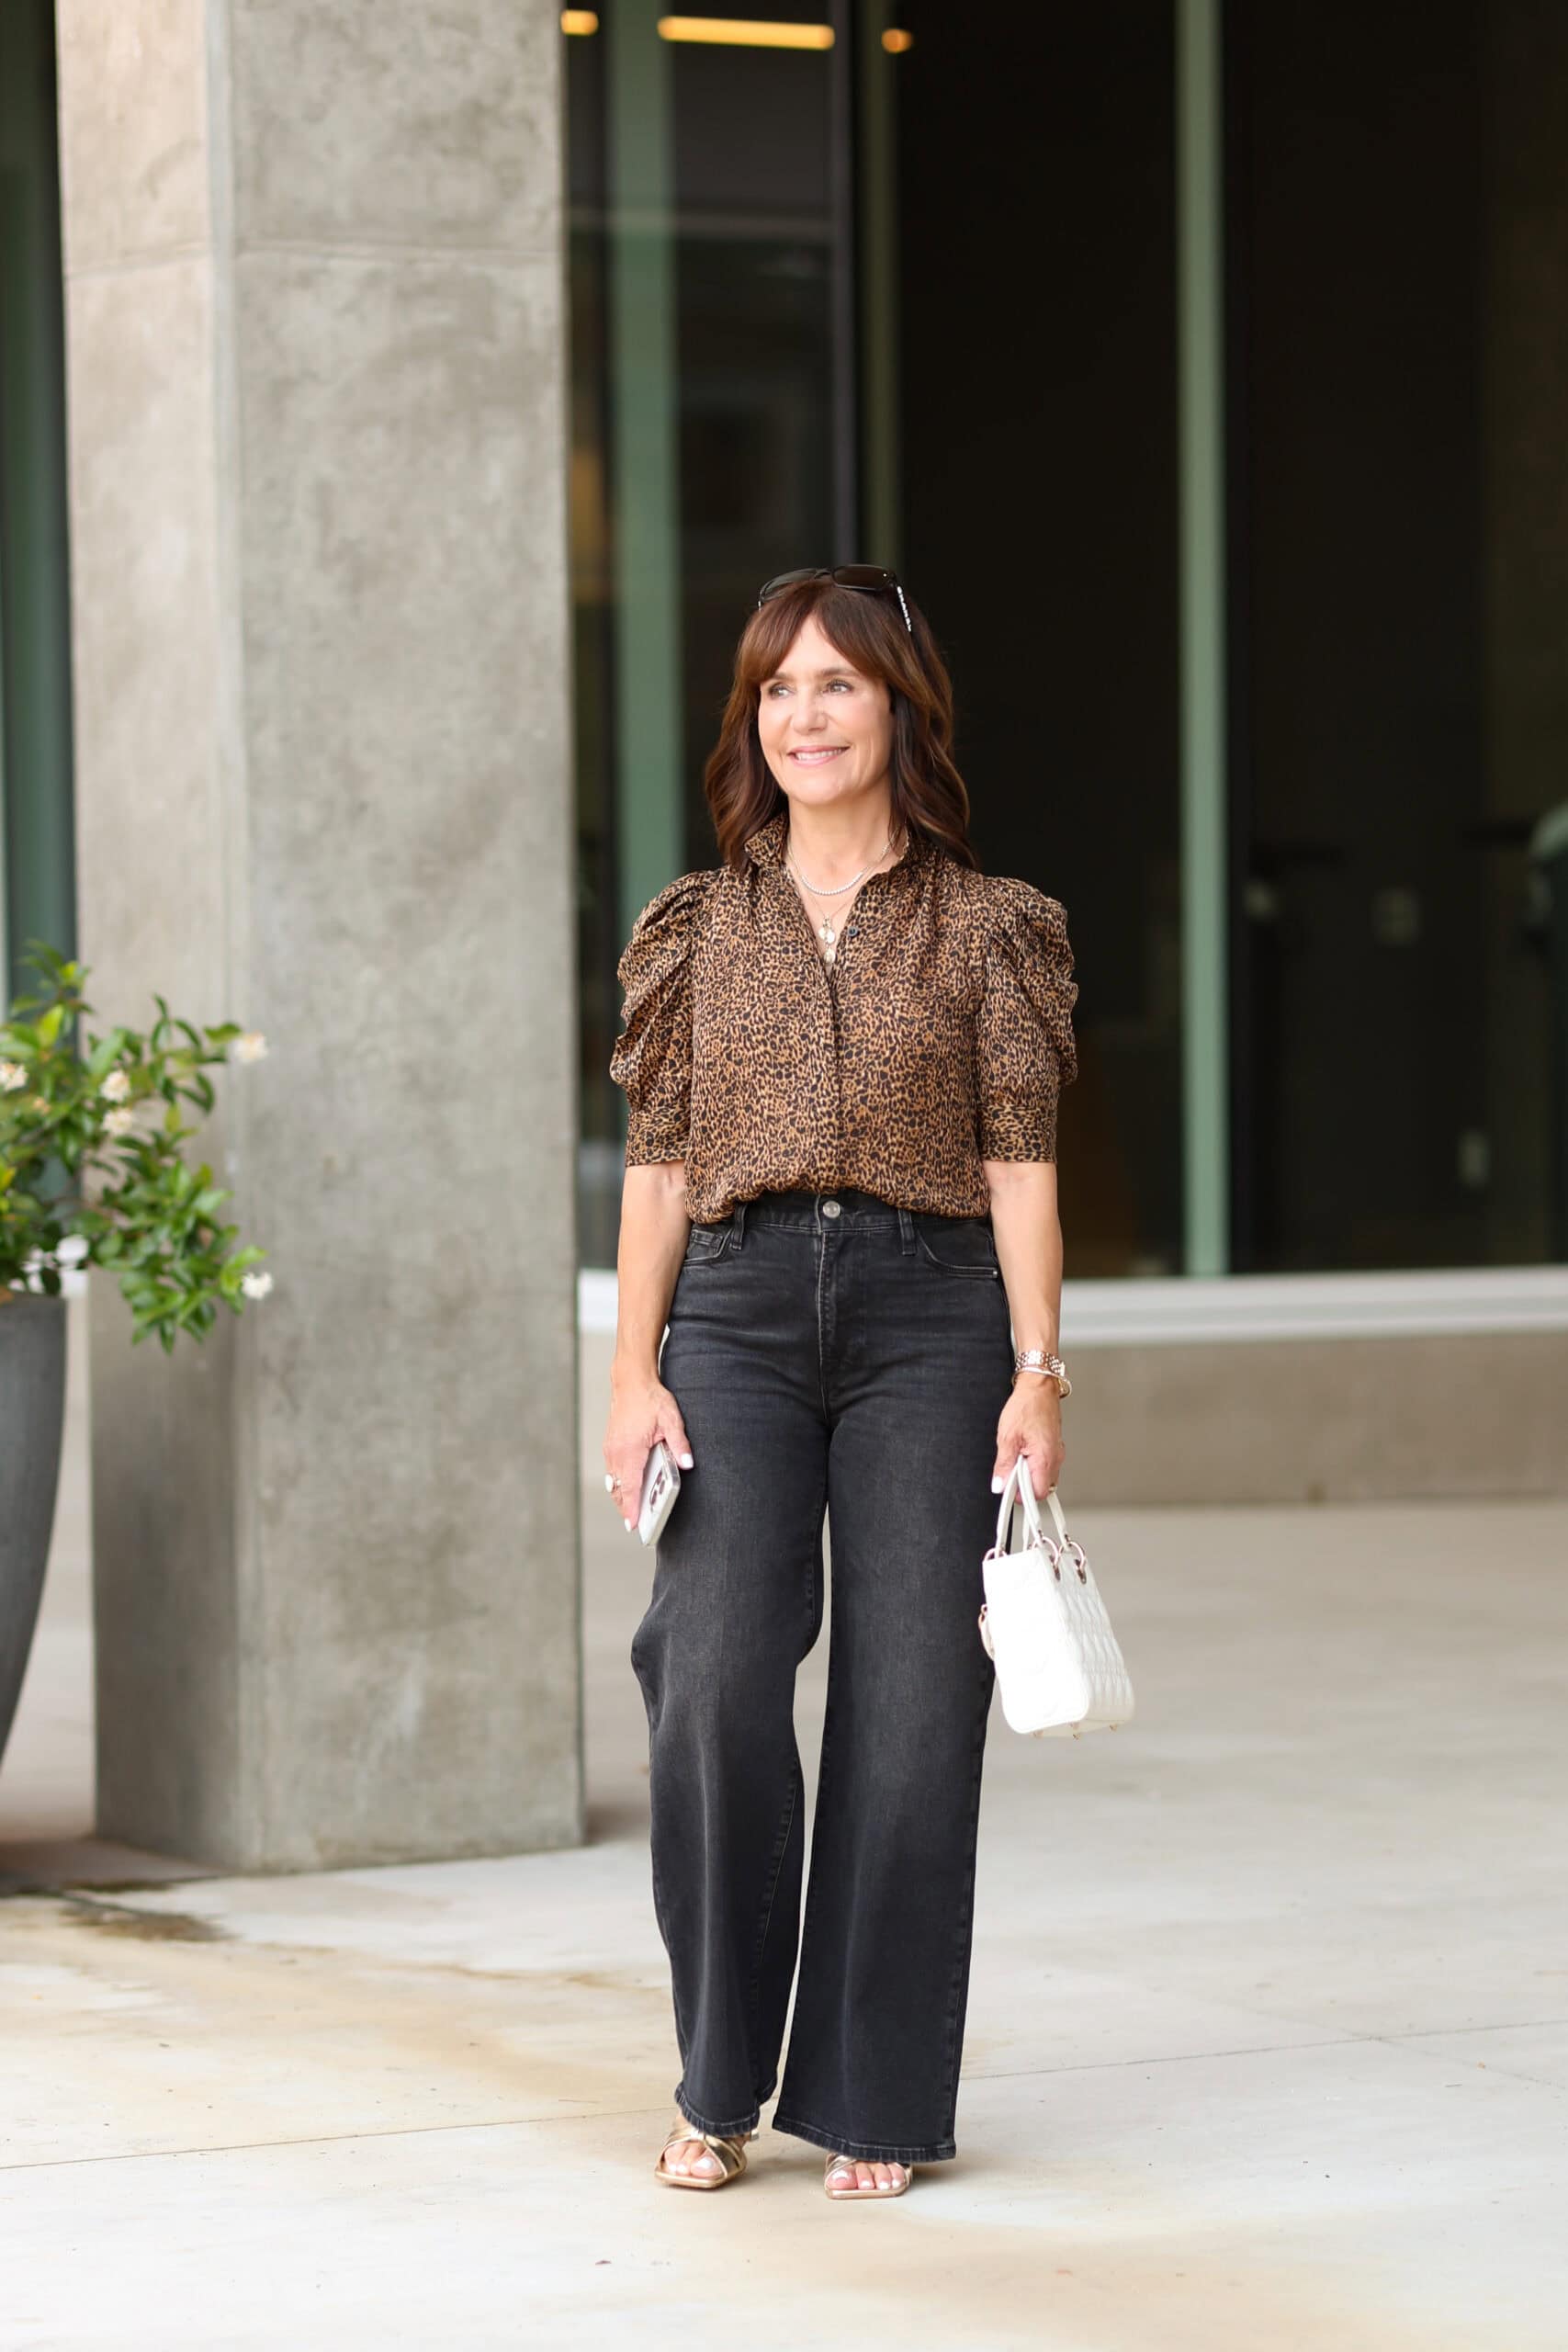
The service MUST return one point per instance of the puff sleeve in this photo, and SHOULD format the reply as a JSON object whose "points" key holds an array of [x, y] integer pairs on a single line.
{"points": [[1024, 1047], [651, 1059]]}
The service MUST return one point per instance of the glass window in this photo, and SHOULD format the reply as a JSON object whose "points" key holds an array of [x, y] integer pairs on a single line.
{"points": [[1037, 421], [853, 302], [1398, 197], [710, 234]]}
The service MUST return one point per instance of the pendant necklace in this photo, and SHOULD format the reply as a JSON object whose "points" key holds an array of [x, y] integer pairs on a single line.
{"points": [[825, 931]]}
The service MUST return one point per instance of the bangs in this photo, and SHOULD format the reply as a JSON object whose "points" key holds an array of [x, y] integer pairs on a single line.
{"points": [[861, 635]]}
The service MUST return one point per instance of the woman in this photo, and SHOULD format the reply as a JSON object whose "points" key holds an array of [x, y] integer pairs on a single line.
{"points": [[842, 1051]]}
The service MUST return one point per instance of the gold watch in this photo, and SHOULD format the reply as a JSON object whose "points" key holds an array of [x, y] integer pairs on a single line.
{"points": [[1049, 1366]]}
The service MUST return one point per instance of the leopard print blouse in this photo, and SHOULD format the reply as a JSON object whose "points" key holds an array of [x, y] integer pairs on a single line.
{"points": [[939, 1037]]}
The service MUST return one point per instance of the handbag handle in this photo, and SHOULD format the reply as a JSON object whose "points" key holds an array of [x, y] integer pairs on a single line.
{"points": [[1019, 1492]]}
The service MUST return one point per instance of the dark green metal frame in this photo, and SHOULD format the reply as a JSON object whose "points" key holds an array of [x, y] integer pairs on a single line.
{"points": [[38, 892]]}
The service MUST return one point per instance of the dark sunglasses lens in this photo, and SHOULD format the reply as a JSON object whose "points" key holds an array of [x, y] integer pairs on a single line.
{"points": [[864, 575], [786, 580]]}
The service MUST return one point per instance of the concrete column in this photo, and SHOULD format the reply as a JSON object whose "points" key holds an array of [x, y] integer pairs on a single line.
{"points": [[316, 353]]}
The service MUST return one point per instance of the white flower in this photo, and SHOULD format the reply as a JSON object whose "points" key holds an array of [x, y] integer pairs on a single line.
{"points": [[115, 1087], [12, 1075], [250, 1047], [255, 1286], [119, 1123]]}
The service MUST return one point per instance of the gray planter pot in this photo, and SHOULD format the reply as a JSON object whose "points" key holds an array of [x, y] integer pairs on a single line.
{"points": [[32, 1415]]}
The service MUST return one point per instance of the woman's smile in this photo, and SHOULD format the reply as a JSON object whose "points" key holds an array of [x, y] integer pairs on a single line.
{"points": [[814, 755]]}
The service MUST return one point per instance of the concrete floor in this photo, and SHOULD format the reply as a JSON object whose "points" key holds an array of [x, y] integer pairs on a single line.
{"points": [[1269, 2023]]}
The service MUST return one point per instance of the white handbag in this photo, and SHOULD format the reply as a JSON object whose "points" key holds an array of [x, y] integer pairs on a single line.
{"points": [[1059, 1664]]}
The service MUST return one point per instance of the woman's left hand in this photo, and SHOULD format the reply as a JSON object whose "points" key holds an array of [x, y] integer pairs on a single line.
{"points": [[1031, 1425]]}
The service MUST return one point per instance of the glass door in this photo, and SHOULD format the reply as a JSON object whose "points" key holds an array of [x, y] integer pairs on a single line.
{"points": [[1038, 497], [1398, 211]]}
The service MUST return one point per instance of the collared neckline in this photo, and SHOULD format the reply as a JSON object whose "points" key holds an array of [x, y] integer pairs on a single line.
{"points": [[766, 847]]}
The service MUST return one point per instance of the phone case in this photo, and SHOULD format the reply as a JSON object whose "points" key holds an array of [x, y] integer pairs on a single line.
{"points": [[661, 1484]]}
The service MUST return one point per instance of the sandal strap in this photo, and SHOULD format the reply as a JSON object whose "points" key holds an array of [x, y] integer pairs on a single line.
{"points": [[730, 2151], [847, 2163]]}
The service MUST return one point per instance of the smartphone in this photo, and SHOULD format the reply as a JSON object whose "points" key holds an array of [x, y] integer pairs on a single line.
{"points": [[661, 1484]]}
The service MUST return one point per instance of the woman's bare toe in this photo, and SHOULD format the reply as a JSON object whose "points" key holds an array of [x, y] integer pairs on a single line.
{"points": [[877, 2176], [690, 2157]]}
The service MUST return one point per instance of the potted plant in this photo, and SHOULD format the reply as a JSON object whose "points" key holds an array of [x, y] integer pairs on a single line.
{"points": [[92, 1173]]}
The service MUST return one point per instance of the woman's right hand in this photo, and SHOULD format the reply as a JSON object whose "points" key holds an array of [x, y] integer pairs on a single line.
{"points": [[641, 1412], [655, 1229]]}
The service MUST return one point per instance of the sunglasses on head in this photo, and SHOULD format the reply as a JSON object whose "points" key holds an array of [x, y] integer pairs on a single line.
{"points": [[871, 578]]}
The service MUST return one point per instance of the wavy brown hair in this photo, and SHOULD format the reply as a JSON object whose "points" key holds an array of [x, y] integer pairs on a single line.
{"points": [[928, 793]]}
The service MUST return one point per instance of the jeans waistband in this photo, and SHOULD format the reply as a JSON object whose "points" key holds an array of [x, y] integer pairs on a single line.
{"points": [[800, 1210]]}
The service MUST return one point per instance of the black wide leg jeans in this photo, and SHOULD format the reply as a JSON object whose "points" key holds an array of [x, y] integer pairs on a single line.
{"points": [[827, 1350]]}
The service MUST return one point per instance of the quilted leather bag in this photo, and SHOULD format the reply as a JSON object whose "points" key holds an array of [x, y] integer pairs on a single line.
{"points": [[1059, 1664]]}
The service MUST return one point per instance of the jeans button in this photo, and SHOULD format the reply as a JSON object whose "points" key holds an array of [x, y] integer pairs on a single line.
{"points": [[832, 1208]]}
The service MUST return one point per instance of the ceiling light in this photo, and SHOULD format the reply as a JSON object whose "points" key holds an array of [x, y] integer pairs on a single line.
{"points": [[745, 32]]}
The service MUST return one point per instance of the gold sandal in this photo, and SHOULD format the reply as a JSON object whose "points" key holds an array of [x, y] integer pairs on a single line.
{"points": [[846, 2163], [731, 2154]]}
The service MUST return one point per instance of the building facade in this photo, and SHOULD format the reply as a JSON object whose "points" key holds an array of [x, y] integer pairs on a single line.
{"points": [[398, 410]]}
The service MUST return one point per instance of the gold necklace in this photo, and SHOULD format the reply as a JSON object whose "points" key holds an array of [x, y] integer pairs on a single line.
{"points": [[825, 931]]}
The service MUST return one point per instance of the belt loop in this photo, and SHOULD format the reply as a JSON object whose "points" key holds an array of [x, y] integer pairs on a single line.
{"points": [[738, 1219], [906, 1230]]}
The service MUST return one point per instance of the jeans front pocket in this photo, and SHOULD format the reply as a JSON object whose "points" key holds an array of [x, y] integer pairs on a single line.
{"points": [[707, 1243], [958, 1245]]}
